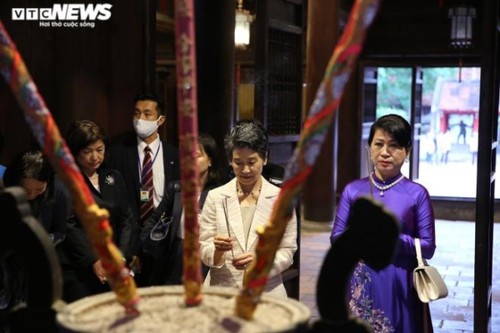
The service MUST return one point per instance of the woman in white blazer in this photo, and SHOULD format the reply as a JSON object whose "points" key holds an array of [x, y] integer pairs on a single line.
{"points": [[233, 212]]}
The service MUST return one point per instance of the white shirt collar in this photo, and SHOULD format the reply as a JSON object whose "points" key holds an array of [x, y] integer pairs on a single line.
{"points": [[153, 145]]}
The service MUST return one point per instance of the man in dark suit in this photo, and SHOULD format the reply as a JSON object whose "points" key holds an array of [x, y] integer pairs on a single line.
{"points": [[127, 155], [164, 240]]}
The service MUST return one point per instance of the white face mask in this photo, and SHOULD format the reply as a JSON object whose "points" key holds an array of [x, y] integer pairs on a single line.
{"points": [[144, 128]]}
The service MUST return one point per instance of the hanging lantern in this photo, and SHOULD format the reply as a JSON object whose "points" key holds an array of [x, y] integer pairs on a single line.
{"points": [[242, 26], [461, 25]]}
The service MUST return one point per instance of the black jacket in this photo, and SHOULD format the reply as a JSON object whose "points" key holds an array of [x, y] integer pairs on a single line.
{"points": [[168, 253], [112, 196], [77, 249], [123, 156]]}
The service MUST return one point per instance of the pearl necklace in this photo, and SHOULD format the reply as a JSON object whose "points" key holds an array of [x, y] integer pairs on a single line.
{"points": [[383, 188]]}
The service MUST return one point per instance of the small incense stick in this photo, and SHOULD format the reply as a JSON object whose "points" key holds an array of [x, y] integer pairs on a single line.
{"points": [[227, 222]]}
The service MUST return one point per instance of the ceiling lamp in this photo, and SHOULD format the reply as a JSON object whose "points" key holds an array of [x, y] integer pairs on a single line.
{"points": [[242, 26], [461, 25]]}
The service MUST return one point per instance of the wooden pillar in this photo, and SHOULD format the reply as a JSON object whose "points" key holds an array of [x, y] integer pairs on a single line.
{"points": [[82, 73], [322, 35], [127, 72], [215, 61], [486, 166], [351, 151], [149, 42]]}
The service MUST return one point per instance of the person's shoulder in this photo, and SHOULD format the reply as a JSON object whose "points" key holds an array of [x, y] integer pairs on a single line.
{"points": [[223, 189], [269, 188], [356, 187], [413, 184], [60, 188], [58, 183], [414, 187], [168, 147], [356, 183], [210, 186], [111, 176]]}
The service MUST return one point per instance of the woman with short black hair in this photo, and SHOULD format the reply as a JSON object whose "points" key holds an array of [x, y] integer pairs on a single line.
{"points": [[233, 212], [87, 143], [46, 194], [386, 298]]}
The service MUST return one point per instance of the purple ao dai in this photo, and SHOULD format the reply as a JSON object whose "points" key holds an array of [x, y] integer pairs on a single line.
{"points": [[387, 299]]}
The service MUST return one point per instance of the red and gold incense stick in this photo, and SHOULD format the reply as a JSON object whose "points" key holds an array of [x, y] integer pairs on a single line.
{"points": [[319, 120], [94, 219], [185, 47]]}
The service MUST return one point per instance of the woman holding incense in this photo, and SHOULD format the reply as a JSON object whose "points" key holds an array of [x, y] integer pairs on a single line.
{"points": [[234, 211]]}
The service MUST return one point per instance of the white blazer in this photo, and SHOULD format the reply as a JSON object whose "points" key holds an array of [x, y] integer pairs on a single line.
{"points": [[213, 222]]}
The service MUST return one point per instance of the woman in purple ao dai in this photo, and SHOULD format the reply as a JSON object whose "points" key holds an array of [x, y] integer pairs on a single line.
{"points": [[386, 299]]}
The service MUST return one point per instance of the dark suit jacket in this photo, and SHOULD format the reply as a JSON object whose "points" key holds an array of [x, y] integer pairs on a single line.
{"points": [[51, 209], [123, 156], [78, 252], [168, 257]]}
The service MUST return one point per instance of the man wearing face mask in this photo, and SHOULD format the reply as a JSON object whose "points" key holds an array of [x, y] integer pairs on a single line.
{"points": [[147, 164]]}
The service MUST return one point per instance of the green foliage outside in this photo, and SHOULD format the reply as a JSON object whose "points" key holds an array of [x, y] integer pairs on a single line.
{"points": [[393, 91], [394, 87], [431, 75]]}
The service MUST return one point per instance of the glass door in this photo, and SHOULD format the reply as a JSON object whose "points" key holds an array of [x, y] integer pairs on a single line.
{"points": [[442, 104], [386, 90]]}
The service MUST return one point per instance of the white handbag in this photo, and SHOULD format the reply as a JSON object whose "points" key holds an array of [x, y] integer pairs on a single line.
{"points": [[427, 281]]}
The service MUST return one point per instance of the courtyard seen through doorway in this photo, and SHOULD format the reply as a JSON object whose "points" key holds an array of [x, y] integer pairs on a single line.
{"points": [[445, 123]]}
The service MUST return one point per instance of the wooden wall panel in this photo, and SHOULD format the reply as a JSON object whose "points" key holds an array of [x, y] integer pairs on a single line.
{"points": [[91, 73]]}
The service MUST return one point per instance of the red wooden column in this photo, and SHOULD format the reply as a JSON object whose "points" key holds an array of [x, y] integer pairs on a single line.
{"points": [[322, 35]]}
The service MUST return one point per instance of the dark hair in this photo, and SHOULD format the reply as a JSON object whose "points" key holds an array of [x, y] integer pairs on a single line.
{"points": [[30, 164], [247, 134], [82, 133], [149, 96], [209, 146], [396, 126]]}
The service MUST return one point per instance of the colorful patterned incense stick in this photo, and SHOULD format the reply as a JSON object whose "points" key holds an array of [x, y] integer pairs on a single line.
{"points": [[94, 219], [187, 106], [318, 122]]}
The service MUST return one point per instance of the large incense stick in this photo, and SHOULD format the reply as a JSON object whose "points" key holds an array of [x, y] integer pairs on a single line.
{"points": [[94, 220], [188, 141]]}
